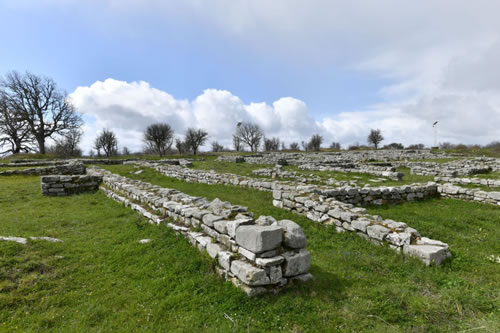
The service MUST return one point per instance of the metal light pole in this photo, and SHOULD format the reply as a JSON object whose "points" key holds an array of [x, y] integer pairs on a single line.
{"points": [[435, 133]]}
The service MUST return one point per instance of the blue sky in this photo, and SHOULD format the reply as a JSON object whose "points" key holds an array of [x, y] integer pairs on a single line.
{"points": [[348, 68]]}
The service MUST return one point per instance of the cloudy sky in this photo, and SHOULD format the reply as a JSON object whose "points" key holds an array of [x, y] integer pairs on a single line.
{"points": [[296, 67]]}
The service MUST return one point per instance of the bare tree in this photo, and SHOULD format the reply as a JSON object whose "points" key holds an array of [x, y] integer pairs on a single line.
{"points": [[294, 146], [108, 142], [14, 132], [68, 145], [335, 145], [249, 133], [236, 143], [272, 144], [159, 138], [216, 147], [194, 138], [375, 137], [416, 146], [315, 142], [180, 146], [125, 151], [37, 101]]}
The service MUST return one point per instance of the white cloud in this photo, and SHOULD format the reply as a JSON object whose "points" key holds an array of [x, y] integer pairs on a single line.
{"points": [[439, 60]]}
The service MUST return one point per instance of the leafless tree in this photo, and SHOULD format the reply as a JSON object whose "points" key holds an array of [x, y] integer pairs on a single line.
{"points": [[335, 145], [315, 142], [416, 146], [272, 144], [68, 145], [37, 101], [180, 146], [14, 133], [194, 138], [294, 146], [249, 133], [375, 137], [106, 141], [125, 151], [159, 138], [237, 143], [216, 147]]}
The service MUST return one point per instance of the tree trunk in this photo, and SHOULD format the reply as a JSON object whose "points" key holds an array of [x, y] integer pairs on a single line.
{"points": [[41, 145]]}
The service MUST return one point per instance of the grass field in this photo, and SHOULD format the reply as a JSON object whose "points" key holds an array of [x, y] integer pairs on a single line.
{"points": [[102, 279]]}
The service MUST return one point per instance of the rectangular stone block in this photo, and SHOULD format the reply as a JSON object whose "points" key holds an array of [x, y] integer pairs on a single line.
{"points": [[249, 274], [259, 238]]}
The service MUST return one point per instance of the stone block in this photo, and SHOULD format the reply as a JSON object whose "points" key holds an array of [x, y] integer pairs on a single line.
{"points": [[232, 226], [296, 263], [224, 258], [294, 236], [249, 274], [209, 219], [259, 238], [427, 253], [213, 249], [377, 231]]}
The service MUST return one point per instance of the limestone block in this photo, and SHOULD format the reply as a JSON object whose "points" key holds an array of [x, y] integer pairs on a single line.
{"points": [[221, 226], [266, 262], [232, 226], [259, 238], [224, 258], [249, 274], [399, 238], [294, 236], [377, 231], [296, 263], [265, 220], [427, 253], [360, 224], [209, 219], [213, 249]]}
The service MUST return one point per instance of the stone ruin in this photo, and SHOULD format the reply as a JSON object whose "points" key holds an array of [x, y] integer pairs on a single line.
{"points": [[258, 255]]}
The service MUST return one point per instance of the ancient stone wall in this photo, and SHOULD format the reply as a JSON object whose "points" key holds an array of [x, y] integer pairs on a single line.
{"points": [[355, 195], [61, 185], [464, 167], [316, 203], [449, 190], [259, 255], [65, 169], [468, 181]]}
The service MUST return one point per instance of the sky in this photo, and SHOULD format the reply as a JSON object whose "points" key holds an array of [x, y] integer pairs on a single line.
{"points": [[295, 67]]}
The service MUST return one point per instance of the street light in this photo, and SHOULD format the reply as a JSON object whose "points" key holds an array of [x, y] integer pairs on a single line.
{"points": [[435, 132]]}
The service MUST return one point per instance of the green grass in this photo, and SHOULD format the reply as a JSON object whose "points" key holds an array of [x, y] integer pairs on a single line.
{"points": [[363, 287], [243, 169], [16, 168], [101, 279]]}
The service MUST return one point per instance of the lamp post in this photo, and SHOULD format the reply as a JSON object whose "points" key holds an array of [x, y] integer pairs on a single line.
{"points": [[435, 133]]}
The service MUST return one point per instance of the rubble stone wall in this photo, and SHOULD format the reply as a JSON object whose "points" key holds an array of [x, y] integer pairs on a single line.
{"points": [[449, 190], [66, 169], [347, 218], [62, 185], [258, 255]]}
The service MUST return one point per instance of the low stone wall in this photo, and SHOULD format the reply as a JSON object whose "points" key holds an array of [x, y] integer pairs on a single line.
{"points": [[449, 190], [258, 255], [348, 157], [316, 203], [66, 169], [67, 185], [347, 218], [468, 181], [464, 167], [354, 195], [388, 172]]}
